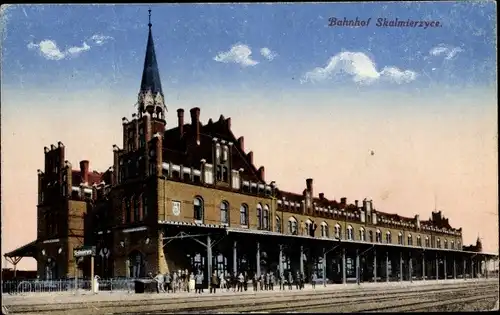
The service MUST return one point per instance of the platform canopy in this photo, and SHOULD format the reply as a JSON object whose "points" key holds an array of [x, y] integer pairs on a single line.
{"points": [[27, 250]]}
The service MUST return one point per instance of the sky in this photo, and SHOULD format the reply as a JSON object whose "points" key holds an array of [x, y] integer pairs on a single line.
{"points": [[311, 100]]}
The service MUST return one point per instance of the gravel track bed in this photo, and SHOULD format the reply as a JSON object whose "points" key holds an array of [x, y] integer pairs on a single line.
{"points": [[332, 303]]}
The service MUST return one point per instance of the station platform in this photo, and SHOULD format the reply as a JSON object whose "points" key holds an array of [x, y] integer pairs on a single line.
{"points": [[87, 296]]}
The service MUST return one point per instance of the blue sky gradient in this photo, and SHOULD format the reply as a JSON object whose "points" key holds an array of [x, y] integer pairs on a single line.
{"points": [[188, 37]]}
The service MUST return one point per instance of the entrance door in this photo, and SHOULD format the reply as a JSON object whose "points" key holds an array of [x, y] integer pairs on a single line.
{"points": [[198, 263], [220, 264], [137, 265]]}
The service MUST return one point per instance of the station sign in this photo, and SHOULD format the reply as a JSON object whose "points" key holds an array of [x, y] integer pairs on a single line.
{"points": [[84, 251]]}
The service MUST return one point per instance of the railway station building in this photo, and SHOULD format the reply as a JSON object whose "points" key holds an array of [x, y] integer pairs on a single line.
{"points": [[191, 197]]}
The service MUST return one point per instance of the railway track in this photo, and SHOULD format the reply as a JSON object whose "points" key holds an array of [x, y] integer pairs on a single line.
{"points": [[361, 303], [281, 301]]}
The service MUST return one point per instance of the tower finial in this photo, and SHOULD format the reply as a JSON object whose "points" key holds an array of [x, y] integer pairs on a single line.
{"points": [[149, 24]]}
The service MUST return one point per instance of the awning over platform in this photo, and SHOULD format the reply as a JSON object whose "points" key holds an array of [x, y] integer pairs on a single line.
{"points": [[28, 250]]}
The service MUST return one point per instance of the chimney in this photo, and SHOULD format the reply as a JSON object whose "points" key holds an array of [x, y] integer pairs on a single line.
{"points": [[309, 184], [356, 203], [241, 144], [228, 122], [180, 119], [84, 171], [195, 122], [250, 157], [321, 196], [343, 200], [262, 173]]}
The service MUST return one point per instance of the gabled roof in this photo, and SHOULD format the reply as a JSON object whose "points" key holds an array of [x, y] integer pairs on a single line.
{"points": [[184, 149]]}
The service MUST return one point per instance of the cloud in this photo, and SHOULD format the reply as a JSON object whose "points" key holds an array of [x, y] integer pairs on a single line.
{"points": [[48, 49], [444, 50], [100, 39], [360, 67], [268, 53], [239, 53]]}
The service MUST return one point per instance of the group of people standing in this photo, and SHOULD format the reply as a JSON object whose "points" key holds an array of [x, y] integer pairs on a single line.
{"points": [[179, 281], [183, 281]]}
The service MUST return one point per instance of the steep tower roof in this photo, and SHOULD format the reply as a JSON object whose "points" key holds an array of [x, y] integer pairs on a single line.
{"points": [[151, 93], [150, 73]]}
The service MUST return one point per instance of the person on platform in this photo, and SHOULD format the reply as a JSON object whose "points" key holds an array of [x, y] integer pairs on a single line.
{"points": [[268, 279], [174, 281], [199, 282], [314, 278], [241, 278], [159, 282], [282, 280], [271, 281], [186, 280], [245, 281], [192, 282], [261, 282], [222, 282], [302, 280], [298, 285], [234, 281], [168, 282], [214, 282], [255, 281], [290, 281]]}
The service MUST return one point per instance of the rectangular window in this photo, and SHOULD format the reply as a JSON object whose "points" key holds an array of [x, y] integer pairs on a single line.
{"points": [[218, 174], [236, 180], [209, 179], [225, 177]]}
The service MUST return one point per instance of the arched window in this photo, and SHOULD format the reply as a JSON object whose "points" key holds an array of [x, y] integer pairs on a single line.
{"points": [[324, 229], [410, 240], [128, 216], [350, 235], [265, 218], [224, 212], [145, 209], [388, 237], [445, 244], [307, 227], [419, 241], [370, 236], [438, 243], [452, 245], [459, 245], [292, 226], [278, 224], [338, 231], [362, 234], [259, 216], [198, 209], [244, 215], [378, 236], [427, 243], [400, 238], [136, 208]]}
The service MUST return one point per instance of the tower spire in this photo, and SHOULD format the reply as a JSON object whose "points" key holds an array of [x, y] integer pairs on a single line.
{"points": [[151, 94], [149, 24]]}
